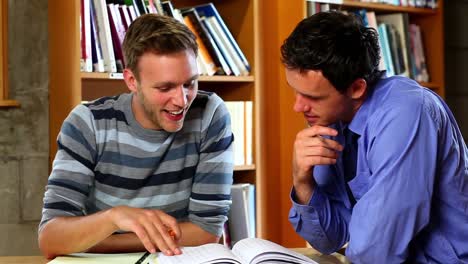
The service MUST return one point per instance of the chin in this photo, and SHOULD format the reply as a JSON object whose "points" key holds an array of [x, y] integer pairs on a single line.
{"points": [[173, 128]]}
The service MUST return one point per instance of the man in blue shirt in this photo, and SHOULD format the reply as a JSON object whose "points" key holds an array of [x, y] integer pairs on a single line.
{"points": [[382, 165]]}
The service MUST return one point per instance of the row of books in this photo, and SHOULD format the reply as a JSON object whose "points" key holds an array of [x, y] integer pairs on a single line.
{"points": [[241, 124], [103, 24], [401, 45], [411, 3]]}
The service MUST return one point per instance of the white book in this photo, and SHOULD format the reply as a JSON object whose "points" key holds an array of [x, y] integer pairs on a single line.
{"points": [[217, 38], [125, 16], [236, 110], [105, 37], [242, 214], [98, 65], [133, 13], [227, 45], [246, 251], [249, 132]]}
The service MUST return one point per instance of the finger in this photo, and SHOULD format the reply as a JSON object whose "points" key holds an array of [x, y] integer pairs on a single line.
{"points": [[317, 130], [318, 141], [171, 224], [318, 151], [319, 160], [145, 239], [169, 242], [157, 233], [332, 144]]}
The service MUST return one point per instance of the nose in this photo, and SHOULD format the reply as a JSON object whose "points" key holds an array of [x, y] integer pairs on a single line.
{"points": [[180, 97], [301, 104]]}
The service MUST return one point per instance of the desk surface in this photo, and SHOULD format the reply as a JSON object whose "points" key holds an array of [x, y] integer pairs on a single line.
{"points": [[322, 259]]}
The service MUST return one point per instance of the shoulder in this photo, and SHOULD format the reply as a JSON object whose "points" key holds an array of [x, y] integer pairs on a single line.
{"points": [[399, 100], [395, 96], [208, 105], [110, 107]]}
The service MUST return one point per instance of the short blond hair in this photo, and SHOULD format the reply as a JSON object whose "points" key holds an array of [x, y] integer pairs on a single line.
{"points": [[157, 34]]}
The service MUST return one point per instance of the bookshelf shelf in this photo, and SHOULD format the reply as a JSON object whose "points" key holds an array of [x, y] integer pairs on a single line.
{"points": [[386, 7], [250, 167], [9, 103], [203, 78]]}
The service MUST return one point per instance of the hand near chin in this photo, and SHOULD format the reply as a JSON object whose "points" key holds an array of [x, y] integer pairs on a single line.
{"points": [[310, 149]]}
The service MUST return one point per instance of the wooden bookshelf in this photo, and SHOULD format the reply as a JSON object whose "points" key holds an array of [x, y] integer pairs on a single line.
{"points": [[4, 101], [68, 86], [203, 78], [386, 8], [280, 123]]}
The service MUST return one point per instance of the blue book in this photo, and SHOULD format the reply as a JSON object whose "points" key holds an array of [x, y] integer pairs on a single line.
{"points": [[209, 10]]}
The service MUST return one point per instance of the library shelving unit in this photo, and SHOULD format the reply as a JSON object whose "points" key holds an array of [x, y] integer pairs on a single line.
{"points": [[278, 19], [4, 101], [69, 86]]}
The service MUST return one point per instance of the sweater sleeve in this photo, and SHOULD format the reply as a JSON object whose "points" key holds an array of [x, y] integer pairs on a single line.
{"points": [[72, 170], [211, 191]]}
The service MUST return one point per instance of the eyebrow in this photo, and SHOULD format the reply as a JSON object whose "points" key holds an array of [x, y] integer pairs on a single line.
{"points": [[193, 78]]}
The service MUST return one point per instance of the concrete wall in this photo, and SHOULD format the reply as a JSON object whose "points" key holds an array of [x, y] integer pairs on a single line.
{"points": [[24, 131], [456, 62]]}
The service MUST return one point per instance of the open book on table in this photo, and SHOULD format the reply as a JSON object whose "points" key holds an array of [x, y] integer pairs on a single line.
{"points": [[246, 251]]}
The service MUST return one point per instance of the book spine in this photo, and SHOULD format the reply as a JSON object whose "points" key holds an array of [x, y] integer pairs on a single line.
{"points": [[103, 28], [203, 52], [210, 10], [86, 47], [114, 27], [228, 45], [232, 65], [98, 61], [207, 41]]}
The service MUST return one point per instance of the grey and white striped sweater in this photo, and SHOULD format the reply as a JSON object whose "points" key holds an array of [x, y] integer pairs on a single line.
{"points": [[105, 158]]}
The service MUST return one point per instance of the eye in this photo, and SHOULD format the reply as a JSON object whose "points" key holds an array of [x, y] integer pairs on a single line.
{"points": [[163, 88], [190, 84]]}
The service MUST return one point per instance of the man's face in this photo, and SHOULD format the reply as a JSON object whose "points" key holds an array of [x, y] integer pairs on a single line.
{"points": [[167, 87], [318, 99]]}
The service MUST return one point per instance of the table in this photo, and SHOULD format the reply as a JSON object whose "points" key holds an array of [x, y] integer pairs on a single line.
{"points": [[335, 258]]}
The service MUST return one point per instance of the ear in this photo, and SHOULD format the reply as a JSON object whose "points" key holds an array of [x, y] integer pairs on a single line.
{"points": [[130, 80], [357, 90]]}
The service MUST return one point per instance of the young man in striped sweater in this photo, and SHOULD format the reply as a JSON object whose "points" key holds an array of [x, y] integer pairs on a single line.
{"points": [[149, 170]]}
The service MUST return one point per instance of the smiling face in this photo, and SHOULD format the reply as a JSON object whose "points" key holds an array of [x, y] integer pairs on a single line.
{"points": [[165, 89], [318, 100]]}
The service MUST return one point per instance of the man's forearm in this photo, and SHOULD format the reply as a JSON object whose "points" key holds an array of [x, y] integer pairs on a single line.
{"points": [[192, 235], [303, 192], [118, 243], [65, 235]]}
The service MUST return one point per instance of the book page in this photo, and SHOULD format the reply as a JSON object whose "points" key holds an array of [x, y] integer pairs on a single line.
{"points": [[256, 250], [209, 253]]}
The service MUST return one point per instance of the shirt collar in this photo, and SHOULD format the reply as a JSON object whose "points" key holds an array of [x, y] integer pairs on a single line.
{"points": [[359, 121]]}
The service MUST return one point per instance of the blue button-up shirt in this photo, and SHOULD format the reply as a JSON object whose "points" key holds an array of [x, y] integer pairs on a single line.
{"points": [[410, 187]]}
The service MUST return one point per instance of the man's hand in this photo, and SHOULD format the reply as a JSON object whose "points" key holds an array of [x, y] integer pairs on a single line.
{"points": [[311, 149], [154, 228]]}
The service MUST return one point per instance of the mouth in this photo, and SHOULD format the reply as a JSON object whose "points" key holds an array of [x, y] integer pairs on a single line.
{"points": [[175, 115], [311, 119]]}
